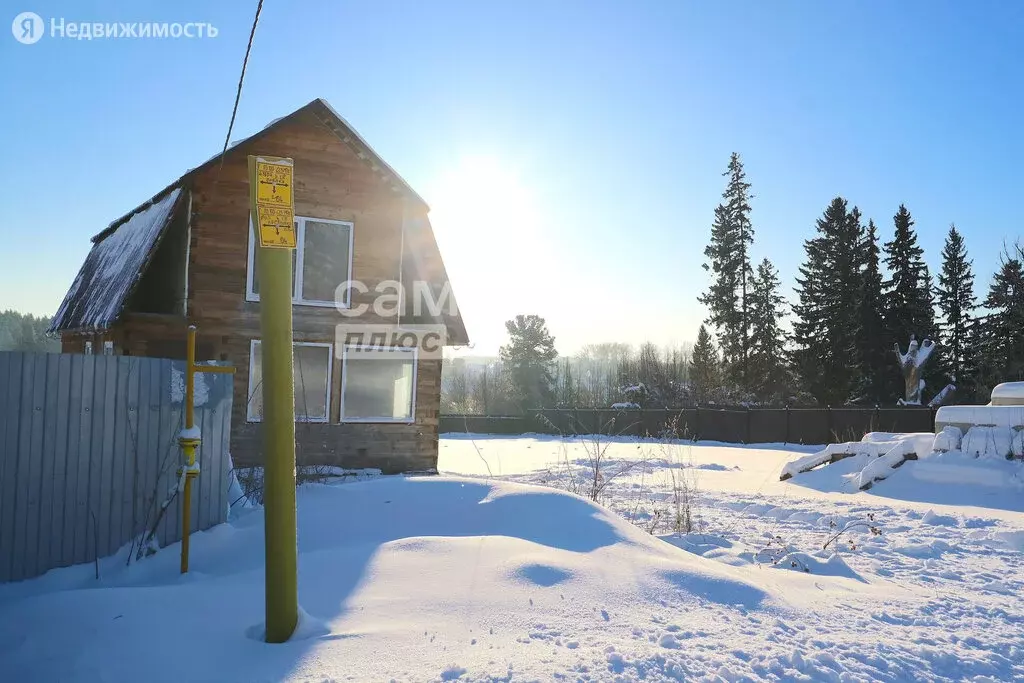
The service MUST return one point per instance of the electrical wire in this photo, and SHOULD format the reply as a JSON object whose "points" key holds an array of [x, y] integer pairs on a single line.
{"points": [[241, 79]]}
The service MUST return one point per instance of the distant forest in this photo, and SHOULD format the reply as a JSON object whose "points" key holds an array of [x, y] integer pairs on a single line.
{"points": [[25, 332]]}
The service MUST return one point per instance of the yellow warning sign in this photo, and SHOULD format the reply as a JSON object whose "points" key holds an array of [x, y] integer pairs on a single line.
{"points": [[271, 182], [274, 181], [276, 226]]}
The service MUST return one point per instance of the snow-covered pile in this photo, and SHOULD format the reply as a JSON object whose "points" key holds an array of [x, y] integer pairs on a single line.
{"points": [[1008, 394], [965, 417], [880, 454], [992, 442], [884, 452]]}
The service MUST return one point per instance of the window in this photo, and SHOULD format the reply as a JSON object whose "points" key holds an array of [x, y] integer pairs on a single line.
{"points": [[88, 348], [312, 381], [108, 348], [378, 385], [321, 262]]}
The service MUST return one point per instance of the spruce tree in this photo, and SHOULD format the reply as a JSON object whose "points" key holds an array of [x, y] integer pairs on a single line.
{"points": [[728, 254], [828, 290], [1000, 336], [956, 302], [769, 376], [704, 367], [908, 297], [872, 353]]}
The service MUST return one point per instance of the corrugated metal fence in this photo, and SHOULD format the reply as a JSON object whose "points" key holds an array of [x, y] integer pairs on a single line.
{"points": [[88, 452], [726, 424]]}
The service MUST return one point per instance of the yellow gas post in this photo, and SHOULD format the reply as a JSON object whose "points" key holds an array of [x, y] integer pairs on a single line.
{"points": [[270, 187], [190, 439]]}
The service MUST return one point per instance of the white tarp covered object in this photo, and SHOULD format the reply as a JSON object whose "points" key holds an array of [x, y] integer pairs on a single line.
{"points": [[1008, 394], [992, 416]]}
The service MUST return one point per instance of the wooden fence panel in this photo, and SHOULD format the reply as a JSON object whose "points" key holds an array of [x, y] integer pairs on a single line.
{"points": [[88, 452]]}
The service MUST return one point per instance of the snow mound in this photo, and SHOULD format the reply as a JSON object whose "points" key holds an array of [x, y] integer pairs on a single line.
{"points": [[308, 627], [988, 442], [948, 439], [819, 564], [479, 565]]}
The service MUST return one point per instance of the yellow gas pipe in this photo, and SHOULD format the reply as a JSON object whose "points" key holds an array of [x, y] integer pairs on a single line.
{"points": [[189, 441]]}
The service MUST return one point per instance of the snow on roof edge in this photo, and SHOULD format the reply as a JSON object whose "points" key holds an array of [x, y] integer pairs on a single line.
{"points": [[113, 267]]}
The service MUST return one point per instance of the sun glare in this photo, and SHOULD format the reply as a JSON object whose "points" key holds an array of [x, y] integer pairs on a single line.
{"points": [[480, 200], [489, 228]]}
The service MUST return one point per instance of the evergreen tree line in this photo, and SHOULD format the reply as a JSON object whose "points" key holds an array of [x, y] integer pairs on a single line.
{"points": [[25, 332], [856, 300]]}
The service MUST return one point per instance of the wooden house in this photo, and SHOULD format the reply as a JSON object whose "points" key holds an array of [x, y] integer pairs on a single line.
{"points": [[186, 256]]}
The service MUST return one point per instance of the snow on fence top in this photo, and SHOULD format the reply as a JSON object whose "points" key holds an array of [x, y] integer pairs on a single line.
{"points": [[113, 267]]}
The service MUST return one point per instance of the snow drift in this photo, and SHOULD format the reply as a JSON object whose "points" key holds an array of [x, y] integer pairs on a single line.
{"points": [[384, 566]]}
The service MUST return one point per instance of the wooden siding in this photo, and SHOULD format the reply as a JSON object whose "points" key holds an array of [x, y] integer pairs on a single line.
{"points": [[331, 182], [390, 447]]}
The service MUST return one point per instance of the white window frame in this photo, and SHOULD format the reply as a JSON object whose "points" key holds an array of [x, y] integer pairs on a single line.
{"points": [[344, 378], [250, 417], [300, 257], [108, 348]]}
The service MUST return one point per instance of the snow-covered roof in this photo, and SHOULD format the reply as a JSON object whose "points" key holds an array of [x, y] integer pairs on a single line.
{"points": [[114, 265]]}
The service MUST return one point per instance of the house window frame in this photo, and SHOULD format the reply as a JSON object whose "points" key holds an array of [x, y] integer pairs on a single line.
{"points": [[250, 417], [300, 258], [344, 379]]}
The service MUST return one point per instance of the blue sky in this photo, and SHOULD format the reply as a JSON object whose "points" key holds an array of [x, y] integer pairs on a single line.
{"points": [[571, 151]]}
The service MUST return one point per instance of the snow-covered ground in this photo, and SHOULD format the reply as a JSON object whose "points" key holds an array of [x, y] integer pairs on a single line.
{"points": [[479, 574]]}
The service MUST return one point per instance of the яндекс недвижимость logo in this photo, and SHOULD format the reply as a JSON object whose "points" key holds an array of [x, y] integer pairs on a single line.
{"points": [[27, 27]]}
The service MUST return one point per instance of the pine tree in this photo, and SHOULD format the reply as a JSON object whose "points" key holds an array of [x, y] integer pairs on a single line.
{"points": [[828, 290], [907, 295], [956, 301], [528, 359], [705, 376], [872, 353], [769, 376], [728, 254], [1001, 340]]}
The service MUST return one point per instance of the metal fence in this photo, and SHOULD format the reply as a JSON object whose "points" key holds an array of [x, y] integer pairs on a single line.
{"points": [[726, 424], [88, 452]]}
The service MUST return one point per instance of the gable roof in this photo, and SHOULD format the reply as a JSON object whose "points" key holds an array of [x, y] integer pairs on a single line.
{"points": [[122, 250], [327, 117]]}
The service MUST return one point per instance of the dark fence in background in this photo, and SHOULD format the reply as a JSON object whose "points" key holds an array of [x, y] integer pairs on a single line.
{"points": [[727, 424]]}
